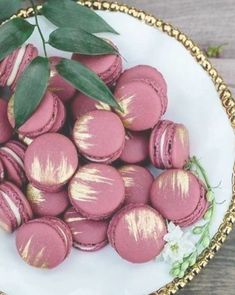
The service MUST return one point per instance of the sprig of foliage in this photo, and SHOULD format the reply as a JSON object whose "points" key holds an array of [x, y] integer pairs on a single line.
{"points": [[215, 51], [203, 232]]}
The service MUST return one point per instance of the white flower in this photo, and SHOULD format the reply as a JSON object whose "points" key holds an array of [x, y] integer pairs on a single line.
{"points": [[179, 244]]}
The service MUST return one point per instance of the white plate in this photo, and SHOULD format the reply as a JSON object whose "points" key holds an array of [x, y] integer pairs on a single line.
{"points": [[193, 100]]}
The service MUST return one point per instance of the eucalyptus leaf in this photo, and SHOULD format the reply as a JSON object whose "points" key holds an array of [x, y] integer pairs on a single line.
{"points": [[66, 13], [13, 34], [78, 40], [8, 8], [86, 81], [30, 89]]}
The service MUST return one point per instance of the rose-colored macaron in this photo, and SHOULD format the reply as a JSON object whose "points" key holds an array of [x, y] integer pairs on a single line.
{"points": [[12, 157], [107, 67], [6, 131], [99, 136], [44, 242], [83, 104], [179, 196], [136, 148], [13, 65], [141, 104], [137, 233], [48, 117], [138, 182], [47, 204], [2, 171], [169, 145], [57, 84], [14, 207], [50, 161], [88, 235], [96, 191]]}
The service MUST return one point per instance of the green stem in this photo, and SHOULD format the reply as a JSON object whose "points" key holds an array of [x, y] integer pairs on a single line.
{"points": [[38, 26], [202, 171]]}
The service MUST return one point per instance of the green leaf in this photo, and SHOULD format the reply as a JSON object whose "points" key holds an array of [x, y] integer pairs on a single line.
{"points": [[210, 196], [185, 265], [198, 230], [208, 214], [206, 241], [64, 13], [30, 89], [86, 81], [175, 272], [8, 8], [77, 40], [181, 274], [192, 259], [13, 34]]}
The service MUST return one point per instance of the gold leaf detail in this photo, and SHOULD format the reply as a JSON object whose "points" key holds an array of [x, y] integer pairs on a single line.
{"points": [[24, 252], [81, 132], [49, 173], [183, 135], [38, 257], [4, 226], [102, 106], [34, 195], [143, 225], [74, 219], [125, 103]]}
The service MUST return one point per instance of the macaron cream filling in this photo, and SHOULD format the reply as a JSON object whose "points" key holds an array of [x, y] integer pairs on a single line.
{"points": [[16, 66], [13, 207]]}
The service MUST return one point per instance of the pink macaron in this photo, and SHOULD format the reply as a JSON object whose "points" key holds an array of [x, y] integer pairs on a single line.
{"points": [[57, 84], [6, 131], [185, 193], [14, 207], [97, 191], [99, 136], [169, 145], [88, 235], [13, 65], [50, 161], [107, 67], [141, 104], [12, 157], [138, 182], [137, 233], [47, 204], [2, 171], [136, 148], [83, 104], [44, 242]]}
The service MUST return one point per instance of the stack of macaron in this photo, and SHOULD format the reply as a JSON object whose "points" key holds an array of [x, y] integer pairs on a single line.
{"points": [[83, 170]]}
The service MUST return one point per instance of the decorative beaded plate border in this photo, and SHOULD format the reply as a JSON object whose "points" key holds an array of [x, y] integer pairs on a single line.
{"points": [[227, 101]]}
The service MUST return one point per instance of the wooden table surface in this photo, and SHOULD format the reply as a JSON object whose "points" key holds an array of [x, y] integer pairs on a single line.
{"points": [[208, 22]]}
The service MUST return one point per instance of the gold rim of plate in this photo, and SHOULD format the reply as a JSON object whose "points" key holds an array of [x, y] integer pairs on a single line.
{"points": [[228, 104]]}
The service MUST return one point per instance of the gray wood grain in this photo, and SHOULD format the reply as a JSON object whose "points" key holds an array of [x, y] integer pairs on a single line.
{"points": [[208, 22]]}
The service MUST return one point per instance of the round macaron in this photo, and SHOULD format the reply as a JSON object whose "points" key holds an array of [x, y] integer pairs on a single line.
{"points": [[12, 157], [96, 191], [6, 131], [141, 105], [136, 148], [88, 235], [107, 67], [57, 84], [13, 65], [83, 104], [44, 242], [137, 233], [47, 204], [60, 118], [14, 207], [44, 118], [185, 193], [169, 145], [99, 136], [50, 161], [138, 182]]}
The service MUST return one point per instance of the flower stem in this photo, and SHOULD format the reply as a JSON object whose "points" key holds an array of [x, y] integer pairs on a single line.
{"points": [[38, 26]]}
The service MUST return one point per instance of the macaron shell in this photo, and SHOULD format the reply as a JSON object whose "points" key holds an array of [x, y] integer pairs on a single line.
{"points": [[17, 147], [141, 105], [2, 171], [6, 131], [99, 136], [60, 118], [138, 182], [137, 233], [40, 245], [88, 235], [83, 104], [96, 191], [47, 204], [7, 220], [136, 148], [6, 67], [57, 84], [50, 167]]}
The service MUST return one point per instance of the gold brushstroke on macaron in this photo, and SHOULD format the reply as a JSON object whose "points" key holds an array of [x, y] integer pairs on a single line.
{"points": [[24, 250], [128, 180], [102, 106], [38, 257], [143, 224], [74, 219], [34, 195], [4, 226], [93, 175], [82, 192], [125, 104], [182, 134], [10, 109], [81, 132], [51, 173]]}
